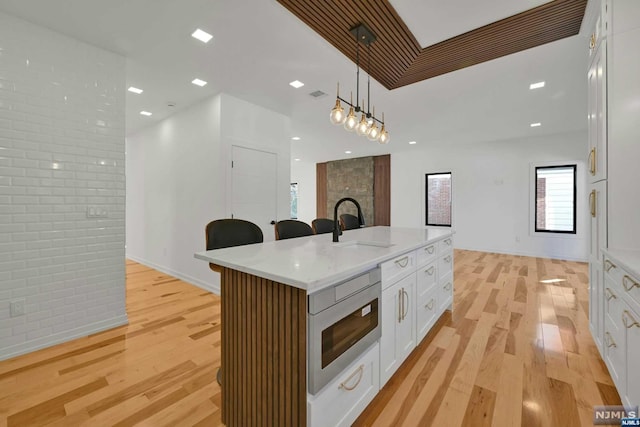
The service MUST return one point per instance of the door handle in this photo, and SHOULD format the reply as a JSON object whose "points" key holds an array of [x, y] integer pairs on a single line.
{"points": [[399, 305], [405, 309], [592, 203], [592, 161], [273, 222]]}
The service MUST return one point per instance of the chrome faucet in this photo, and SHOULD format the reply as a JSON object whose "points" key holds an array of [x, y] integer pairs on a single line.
{"points": [[336, 227]]}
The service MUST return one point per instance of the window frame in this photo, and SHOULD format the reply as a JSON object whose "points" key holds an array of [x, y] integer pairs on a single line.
{"points": [[426, 201], [574, 166]]}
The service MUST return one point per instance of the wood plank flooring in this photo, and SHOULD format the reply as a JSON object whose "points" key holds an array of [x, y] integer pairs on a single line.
{"points": [[516, 351]]}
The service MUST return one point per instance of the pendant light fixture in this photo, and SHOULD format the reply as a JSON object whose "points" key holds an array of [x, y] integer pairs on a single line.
{"points": [[367, 125]]}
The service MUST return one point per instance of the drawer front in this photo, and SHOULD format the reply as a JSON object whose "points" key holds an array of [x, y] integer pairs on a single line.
{"points": [[614, 351], [445, 245], [397, 268], [427, 277], [613, 304], [445, 264], [445, 293], [426, 311], [426, 254], [631, 286], [343, 399]]}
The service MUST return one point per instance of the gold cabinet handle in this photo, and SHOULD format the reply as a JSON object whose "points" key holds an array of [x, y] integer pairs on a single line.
{"points": [[447, 259], [430, 249], [610, 294], [402, 262], [592, 203], [447, 242], [634, 284], [429, 306], [633, 323], [592, 161], [430, 271], [447, 286], [405, 308], [360, 371], [609, 341], [400, 305], [592, 41], [608, 265]]}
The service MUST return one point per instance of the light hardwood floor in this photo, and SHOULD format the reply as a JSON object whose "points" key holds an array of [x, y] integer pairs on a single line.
{"points": [[516, 351]]}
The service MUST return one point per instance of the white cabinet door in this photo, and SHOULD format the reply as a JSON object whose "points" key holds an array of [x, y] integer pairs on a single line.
{"points": [[631, 323], [597, 115], [598, 215], [398, 326]]}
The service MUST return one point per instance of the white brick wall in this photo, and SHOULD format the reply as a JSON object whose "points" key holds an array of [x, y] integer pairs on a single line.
{"points": [[62, 106]]}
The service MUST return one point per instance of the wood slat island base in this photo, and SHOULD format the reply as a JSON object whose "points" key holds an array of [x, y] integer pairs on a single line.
{"points": [[264, 352]]}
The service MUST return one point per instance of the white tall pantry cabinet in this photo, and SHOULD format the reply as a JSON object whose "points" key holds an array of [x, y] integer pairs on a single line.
{"points": [[614, 179]]}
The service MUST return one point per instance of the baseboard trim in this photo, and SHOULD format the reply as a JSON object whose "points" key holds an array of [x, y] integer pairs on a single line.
{"points": [[62, 337], [520, 253], [184, 277]]}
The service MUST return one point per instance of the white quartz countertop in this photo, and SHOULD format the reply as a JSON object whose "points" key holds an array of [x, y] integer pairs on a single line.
{"points": [[314, 262], [629, 259]]}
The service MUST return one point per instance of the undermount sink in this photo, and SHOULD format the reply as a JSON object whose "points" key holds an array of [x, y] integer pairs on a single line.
{"points": [[362, 243]]}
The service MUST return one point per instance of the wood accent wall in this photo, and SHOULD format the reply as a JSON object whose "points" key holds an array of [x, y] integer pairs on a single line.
{"points": [[264, 351], [321, 190], [382, 190]]}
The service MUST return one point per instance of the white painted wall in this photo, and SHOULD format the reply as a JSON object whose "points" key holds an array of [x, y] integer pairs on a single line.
{"points": [[61, 150], [491, 192], [304, 173], [178, 173]]}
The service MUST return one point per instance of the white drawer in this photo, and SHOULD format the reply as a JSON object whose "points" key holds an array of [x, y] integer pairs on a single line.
{"points": [[426, 254], [344, 398], [445, 264], [427, 277], [397, 268], [426, 312], [614, 354], [445, 245], [613, 304]]}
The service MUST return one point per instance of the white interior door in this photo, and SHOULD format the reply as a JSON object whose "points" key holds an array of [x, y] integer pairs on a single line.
{"points": [[253, 188]]}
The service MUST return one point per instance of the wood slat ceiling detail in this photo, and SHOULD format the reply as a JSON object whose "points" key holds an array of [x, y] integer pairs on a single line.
{"points": [[398, 60]]}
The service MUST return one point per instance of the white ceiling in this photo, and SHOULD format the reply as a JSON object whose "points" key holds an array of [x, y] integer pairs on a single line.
{"points": [[259, 47]]}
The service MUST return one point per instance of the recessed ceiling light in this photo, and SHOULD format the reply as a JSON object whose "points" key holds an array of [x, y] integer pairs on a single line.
{"points": [[295, 138], [297, 84], [145, 113], [198, 82], [135, 90], [535, 125], [297, 160], [203, 36], [347, 152], [536, 85], [412, 142]]}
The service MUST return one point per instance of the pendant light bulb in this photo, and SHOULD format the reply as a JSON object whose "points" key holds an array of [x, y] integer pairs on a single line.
{"points": [[351, 120], [374, 132], [384, 135], [363, 127], [337, 115]]}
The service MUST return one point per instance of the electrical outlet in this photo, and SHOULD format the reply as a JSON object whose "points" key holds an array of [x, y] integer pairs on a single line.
{"points": [[17, 307]]}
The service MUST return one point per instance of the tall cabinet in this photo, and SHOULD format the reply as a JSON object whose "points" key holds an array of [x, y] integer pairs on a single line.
{"points": [[614, 178]]}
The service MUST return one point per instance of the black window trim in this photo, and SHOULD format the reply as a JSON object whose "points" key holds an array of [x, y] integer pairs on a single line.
{"points": [[575, 200], [426, 202]]}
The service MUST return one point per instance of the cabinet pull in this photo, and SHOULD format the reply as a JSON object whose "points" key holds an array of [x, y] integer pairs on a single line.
{"points": [[429, 271], [344, 385], [402, 262], [405, 308], [592, 41], [429, 249], [592, 203], [608, 265], [429, 306], [632, 324], [592, 161], [447, 259], [610, 294], [399, 305], [610, 342], [634, 284], [447, 242], [447, 286]]}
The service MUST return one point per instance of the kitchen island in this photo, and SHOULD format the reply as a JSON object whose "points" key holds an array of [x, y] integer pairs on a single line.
{"points": [[265, 289]]}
